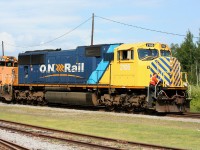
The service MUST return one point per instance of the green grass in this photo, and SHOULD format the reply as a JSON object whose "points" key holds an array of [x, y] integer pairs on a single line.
{"points": [[155, 131], [195, 103]]}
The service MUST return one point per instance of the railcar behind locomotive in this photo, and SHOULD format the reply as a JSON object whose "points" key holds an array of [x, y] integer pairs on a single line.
{"points": [[110, 75]]}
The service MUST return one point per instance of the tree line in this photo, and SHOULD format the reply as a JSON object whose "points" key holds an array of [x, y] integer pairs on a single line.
{"points": [[188, 53]]}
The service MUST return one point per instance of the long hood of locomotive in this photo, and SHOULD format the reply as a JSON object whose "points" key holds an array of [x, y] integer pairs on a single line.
{"points": [[168, 69], [63, 67]]}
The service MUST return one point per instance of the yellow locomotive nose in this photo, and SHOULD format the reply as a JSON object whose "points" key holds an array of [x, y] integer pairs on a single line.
{"points": [[176, 79], [168, 70]]}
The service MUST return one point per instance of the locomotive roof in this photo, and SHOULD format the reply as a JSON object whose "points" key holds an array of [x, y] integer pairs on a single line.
{"points": [[59, 49], [45, 50], [142, 44]]}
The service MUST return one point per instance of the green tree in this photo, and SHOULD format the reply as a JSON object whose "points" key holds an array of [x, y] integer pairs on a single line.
{"points": [[186, 54], [197, 60], [174, 49]]}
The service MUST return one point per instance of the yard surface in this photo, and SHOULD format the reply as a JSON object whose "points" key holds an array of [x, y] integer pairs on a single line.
{"points": [[173, 133]]}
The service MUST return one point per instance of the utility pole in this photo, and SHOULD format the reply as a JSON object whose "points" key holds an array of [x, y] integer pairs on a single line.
{"points": [[92, 35], [2, 49]]}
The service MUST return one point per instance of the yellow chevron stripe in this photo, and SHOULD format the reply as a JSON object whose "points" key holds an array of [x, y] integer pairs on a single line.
{"points": [[171, 72], [176, 76], [163, 74], [166, 61], [164, 66], [153, 70], [163, 70]]}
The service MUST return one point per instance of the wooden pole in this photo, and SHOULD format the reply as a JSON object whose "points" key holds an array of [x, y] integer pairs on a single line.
{"points": [[2, 48], [92, 35]]}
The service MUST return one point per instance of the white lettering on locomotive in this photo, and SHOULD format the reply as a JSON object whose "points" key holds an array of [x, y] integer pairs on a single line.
{"points": [[42, 68], [51, 68], [78, 67], [125, 67]]}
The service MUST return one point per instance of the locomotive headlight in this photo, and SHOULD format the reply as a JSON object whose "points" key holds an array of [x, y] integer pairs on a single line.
{"points": [[167, 84], [185, 84]]}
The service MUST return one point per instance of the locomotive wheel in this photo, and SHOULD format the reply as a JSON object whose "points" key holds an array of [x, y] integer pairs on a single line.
{"points": [[24, 102], [29, 102], [110, 108], [42, 103], [34, 103], [20, 101], [130, 109], [14, 101]]}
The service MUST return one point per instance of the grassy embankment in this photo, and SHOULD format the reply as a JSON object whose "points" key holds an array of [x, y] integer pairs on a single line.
{"points": [[195, 103], [169, 133]]}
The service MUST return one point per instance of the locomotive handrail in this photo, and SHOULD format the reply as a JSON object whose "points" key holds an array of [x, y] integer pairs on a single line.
{"points": [[155, 93], [148, 94], [186, 82]]}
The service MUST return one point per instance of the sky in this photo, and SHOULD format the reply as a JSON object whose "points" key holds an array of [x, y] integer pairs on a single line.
{"points": [[50, 24]]}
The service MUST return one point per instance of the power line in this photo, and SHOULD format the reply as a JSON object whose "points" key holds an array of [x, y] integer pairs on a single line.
{"points": [[134, 26], [143, 28], [68, 31], [52, 39]]}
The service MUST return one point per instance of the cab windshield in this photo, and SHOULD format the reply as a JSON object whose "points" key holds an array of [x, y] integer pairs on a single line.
{"points": [[165, 53], [147, 54]]}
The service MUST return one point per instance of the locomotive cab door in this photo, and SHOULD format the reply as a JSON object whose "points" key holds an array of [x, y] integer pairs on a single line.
{"points": [[25, 75], [123, 69], [26, 72]]}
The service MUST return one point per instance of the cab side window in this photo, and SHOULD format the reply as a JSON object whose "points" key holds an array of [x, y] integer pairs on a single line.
{"points": [[9, 64], [15, 64], [125, 55]]}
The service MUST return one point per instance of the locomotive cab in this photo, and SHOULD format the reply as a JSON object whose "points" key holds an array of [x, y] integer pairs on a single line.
{"points": [[132, 69], [131, 64], [8, 76]]}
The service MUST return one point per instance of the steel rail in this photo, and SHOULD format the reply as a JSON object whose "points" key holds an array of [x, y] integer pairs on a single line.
{"points": [[11, 145], [86, 136], [185, 115], [61, 139]]}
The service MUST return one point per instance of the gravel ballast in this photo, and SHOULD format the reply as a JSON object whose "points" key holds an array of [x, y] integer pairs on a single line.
{"points": [[100, 112], [133, 127], [32, 142]]}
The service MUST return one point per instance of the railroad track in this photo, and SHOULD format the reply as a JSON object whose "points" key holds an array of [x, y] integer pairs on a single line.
{"points": [[7, 145], [77, 138], [185, 115]]}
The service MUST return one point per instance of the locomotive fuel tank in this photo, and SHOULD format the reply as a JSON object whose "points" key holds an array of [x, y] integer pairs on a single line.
{"points": [[70, 98]]}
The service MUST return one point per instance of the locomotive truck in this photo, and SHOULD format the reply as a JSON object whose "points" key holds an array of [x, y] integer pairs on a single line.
{"points": [[110, 75]]}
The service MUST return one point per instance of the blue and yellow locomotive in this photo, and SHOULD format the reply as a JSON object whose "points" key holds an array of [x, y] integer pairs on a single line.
{"points": [[110, 75]]}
